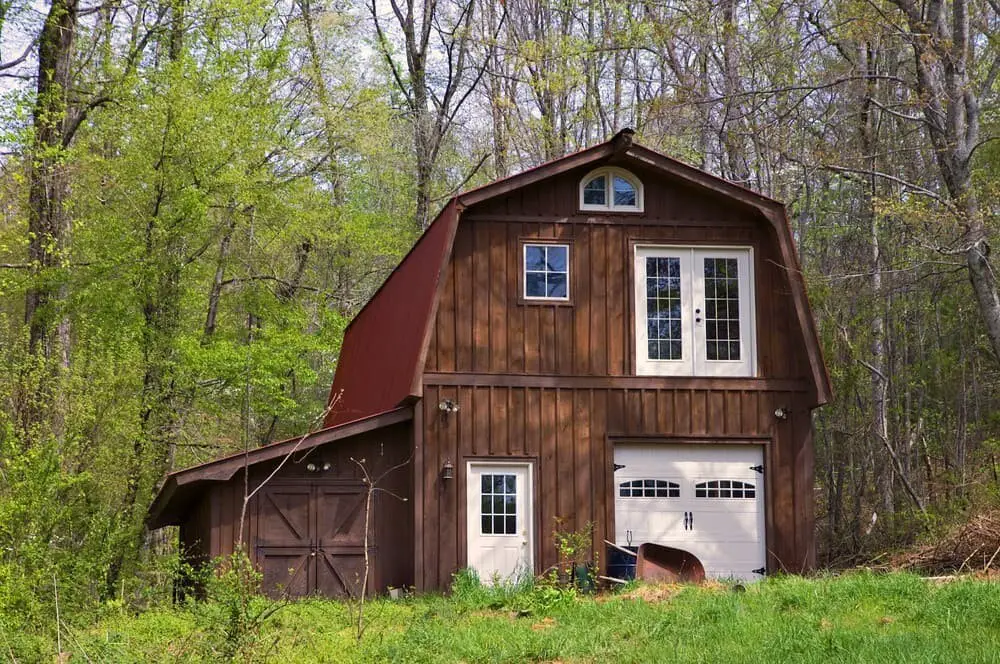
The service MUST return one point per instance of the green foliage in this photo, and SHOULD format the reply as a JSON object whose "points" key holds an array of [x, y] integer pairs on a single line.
{"points": [[233, 615], [523, 597], [577, 560], [857, 617]]}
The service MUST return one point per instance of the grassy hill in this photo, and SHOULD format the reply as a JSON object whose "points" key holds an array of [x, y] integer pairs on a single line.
{"points": [[853, 618]]}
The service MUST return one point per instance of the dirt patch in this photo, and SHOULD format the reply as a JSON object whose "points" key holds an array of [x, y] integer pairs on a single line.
{"points": [[545, 623], [662, 592], [973, 546]]}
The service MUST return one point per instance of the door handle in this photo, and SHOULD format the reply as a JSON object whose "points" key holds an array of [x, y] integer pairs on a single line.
{"points": [[691, 520], [685, 520]]}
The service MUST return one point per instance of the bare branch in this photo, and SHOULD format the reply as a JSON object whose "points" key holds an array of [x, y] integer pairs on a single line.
{"points": [[916, 189]]}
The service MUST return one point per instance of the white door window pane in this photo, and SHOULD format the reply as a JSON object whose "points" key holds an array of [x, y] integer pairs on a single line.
{"points": [[663, 308], [498, 515]]}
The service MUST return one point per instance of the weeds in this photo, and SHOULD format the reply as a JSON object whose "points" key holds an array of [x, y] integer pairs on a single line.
{"points": [[856, 618], [234, 614]]}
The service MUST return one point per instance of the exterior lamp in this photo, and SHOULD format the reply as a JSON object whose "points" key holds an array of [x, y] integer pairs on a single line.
{"points": [[448, 406], [448, 470]]}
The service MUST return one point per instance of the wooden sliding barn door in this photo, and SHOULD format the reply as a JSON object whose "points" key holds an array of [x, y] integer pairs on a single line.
{"points": [[310, 539]]}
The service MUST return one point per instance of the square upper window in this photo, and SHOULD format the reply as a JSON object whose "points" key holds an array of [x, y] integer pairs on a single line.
{"points": [[546, 271]]}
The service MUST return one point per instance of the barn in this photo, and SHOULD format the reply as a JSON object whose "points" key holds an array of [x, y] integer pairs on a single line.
{"points": [[612, 338]]}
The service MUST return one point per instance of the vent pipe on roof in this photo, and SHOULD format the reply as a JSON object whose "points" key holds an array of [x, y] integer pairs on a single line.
{"points": [[622, 140]]}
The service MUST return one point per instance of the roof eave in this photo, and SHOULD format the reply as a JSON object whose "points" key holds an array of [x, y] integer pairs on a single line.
{"points": [[160, 512]]}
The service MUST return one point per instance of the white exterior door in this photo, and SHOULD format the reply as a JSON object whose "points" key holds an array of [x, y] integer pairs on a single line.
{"points": [[694, 311], [705, 499], [500, 528]]}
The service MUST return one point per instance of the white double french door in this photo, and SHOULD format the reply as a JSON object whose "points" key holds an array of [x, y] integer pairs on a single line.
{"points": [[500, 528], [694, 311]]}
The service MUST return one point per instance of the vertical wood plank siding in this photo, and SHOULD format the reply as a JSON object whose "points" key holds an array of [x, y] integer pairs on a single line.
{"points": [[491, 343]]}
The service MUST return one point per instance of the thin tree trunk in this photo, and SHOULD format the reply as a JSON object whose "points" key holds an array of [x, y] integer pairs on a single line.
{"points": [[215, 292]]}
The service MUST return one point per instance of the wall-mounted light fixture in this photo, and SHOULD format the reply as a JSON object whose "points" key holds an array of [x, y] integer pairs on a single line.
{"points": [[781, 413], [326, 465], [448, 406], [448, 470], [311, 467]]}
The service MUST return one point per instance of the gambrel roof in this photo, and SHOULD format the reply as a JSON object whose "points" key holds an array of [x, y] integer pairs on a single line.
{"points": [[386, 344]]}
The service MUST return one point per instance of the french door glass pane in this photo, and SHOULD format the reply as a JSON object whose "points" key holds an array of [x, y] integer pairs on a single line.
{"points": [[722, 309], [663, 307]]}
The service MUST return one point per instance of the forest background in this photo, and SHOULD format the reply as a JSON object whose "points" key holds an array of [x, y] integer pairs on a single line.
{"points": [[196, 196]]}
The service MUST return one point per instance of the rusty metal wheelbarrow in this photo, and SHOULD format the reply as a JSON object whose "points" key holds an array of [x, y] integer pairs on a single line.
{"points": [[663, 564]]}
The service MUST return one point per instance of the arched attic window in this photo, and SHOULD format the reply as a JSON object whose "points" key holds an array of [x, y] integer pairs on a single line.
{"points": [[611, 189]]}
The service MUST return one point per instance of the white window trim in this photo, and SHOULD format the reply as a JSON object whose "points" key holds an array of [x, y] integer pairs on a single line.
{"points": [[694, 362], [609, 172], [524, 271]]}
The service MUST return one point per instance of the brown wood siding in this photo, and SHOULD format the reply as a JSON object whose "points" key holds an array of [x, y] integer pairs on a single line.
{"points": [[569, 433], [555, 384], [483, 327], [216, 516]]}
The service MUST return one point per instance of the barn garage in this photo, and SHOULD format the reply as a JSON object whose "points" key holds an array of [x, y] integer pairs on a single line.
{"points": [[705, 499], [613, 343]]}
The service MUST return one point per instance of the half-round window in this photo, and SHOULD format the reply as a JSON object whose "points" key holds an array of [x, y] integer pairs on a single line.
{"points": [[611, 189]]}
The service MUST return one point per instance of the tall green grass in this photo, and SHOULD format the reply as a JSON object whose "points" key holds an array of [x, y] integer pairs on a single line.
{"points": [[854, 618]]}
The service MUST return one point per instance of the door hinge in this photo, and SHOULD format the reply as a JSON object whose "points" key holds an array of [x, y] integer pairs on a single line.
{"points": [[759, 469], [619, 466], [760, 570]]}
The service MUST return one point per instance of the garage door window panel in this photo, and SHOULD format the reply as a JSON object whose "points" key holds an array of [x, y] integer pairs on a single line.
{"points": [[725, 489], [649, 489]]}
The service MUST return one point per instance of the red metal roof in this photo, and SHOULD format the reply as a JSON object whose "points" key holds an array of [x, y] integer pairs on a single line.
{"points": [[384, 345]]}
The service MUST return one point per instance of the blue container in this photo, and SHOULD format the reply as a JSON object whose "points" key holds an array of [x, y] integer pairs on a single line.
{"points": [[621, 565]]}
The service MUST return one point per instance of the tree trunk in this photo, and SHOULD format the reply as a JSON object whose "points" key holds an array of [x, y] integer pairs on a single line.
{"points": [[48, 179]]}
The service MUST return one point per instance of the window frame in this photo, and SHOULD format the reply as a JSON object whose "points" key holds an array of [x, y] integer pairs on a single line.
{"points": [[522, 286], [609, 172], [694, 360]]}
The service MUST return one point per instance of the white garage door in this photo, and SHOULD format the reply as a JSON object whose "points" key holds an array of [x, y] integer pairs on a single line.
{"points": [[705, 499]]}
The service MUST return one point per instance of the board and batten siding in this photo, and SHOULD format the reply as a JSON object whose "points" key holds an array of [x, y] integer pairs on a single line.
{"points": [[213, 530], [555, 383]]}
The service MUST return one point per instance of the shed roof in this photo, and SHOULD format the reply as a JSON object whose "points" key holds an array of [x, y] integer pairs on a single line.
{"points": [[180, 486], [386, 344]]}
